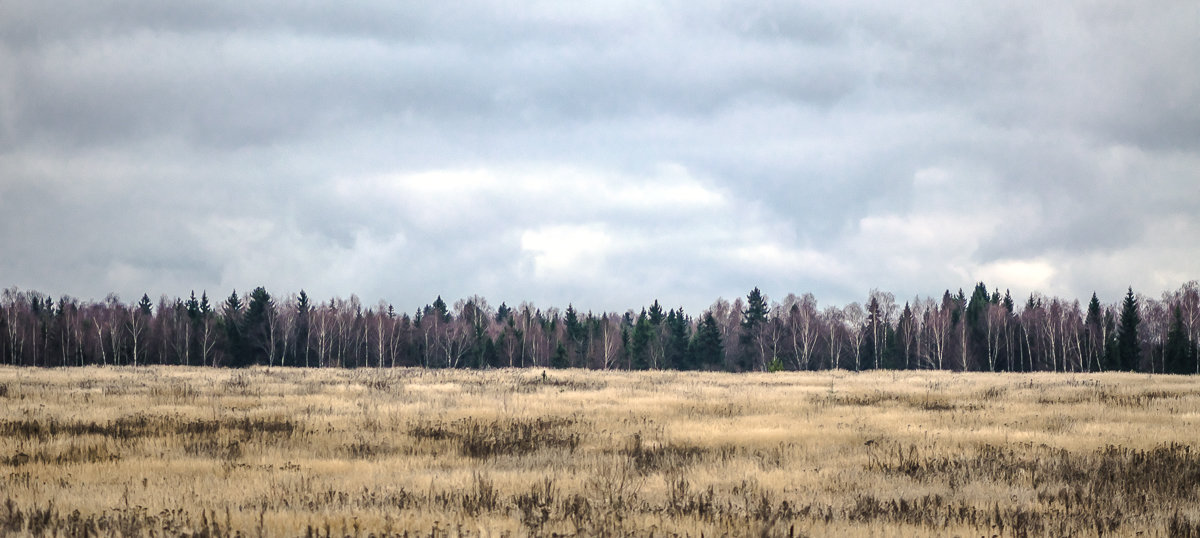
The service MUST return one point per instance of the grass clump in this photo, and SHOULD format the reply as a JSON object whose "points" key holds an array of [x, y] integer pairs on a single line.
{"points": [[503, 437]]}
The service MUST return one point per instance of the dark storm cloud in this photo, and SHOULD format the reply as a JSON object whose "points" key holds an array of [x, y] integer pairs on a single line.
{"points": [[601, 153]]}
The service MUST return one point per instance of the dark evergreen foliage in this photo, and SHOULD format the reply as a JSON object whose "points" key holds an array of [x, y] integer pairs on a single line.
{"points": [[1128, 345], [1178, 354], [751, 354]]}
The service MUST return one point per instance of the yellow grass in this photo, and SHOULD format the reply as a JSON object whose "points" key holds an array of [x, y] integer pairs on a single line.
{"points": [[287, 452]]}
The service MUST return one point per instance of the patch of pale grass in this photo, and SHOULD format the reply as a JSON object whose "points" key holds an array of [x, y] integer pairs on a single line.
{"points": [[531, 452]]}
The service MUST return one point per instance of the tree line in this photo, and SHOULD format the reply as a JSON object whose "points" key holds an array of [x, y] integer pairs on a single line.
{"points": [[982, 331]]}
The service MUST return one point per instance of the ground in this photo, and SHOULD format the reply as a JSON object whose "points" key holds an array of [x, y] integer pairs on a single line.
{"points": [[293, 452]]}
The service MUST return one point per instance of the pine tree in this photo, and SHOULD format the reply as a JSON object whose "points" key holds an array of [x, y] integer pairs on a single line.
{"points": [[1128, 349]]}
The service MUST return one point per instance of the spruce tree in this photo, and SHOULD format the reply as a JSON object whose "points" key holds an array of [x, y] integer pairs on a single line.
{"points": [[1177, 354], [1128, 349], [656, 314], [560, 359], [577, 333], [904, 336], [303, 314], [707, 350], [875, 342], [1094, 328], [145, 307], [976, 333], [234, 337], [256, 327], [442, 311], [193, 307], [677, 355], [753, 318], [643, 331]]}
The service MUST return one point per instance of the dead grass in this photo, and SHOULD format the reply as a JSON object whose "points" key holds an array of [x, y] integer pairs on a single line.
{"points": [[287, 452]]}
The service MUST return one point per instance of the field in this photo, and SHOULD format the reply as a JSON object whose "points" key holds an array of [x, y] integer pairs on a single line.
{"points": [[287, 452]]}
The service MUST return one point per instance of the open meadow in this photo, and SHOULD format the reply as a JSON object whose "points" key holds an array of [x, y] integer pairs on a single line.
{"points": [[293, 452]]}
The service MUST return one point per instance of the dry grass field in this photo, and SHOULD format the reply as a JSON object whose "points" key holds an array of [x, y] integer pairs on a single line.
{"points": [[285, 452]]}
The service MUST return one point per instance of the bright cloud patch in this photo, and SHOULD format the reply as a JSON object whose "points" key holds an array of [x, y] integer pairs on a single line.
{"points": [[1025, 275], [562, 252]]}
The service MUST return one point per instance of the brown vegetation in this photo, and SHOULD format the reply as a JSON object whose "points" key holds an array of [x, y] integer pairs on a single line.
{"points": [[285, 452]]}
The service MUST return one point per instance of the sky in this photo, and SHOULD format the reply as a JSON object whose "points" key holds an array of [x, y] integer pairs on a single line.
{"points": [[602, 154]]}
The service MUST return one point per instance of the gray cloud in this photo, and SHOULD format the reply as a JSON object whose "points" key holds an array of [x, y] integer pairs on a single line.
{"points": [[596, 153]]}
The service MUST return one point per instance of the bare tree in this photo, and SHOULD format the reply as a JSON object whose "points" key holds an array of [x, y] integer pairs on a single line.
{"points": [[136, 324], [834, 321], [885, 305], [1187, 298], [610, 340], [12, 303], [322, 329], [996, 322], [920, 313], [383, 326], [273, 332], [854, 319], [1031, 322], [207, 335], [286, 321], [939, 328], [1072, 332], [803, 326], [1156, 324]]}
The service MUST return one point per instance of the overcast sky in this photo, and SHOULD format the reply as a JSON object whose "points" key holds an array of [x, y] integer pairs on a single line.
{"points": [[604, 153]]}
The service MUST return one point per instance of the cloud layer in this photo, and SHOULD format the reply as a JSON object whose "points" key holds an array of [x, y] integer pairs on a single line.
{"points": [[605, 154]]}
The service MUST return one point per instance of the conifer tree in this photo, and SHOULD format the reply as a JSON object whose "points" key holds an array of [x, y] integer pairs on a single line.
{"points": [[976, 330], [303, 319], [231, 318], [577, 333], [640, 345], [707, 349], [1128, 349], [753, 318], [1177, 353], [145, 307], [256, 327], [677, 355], [560, 359]]}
